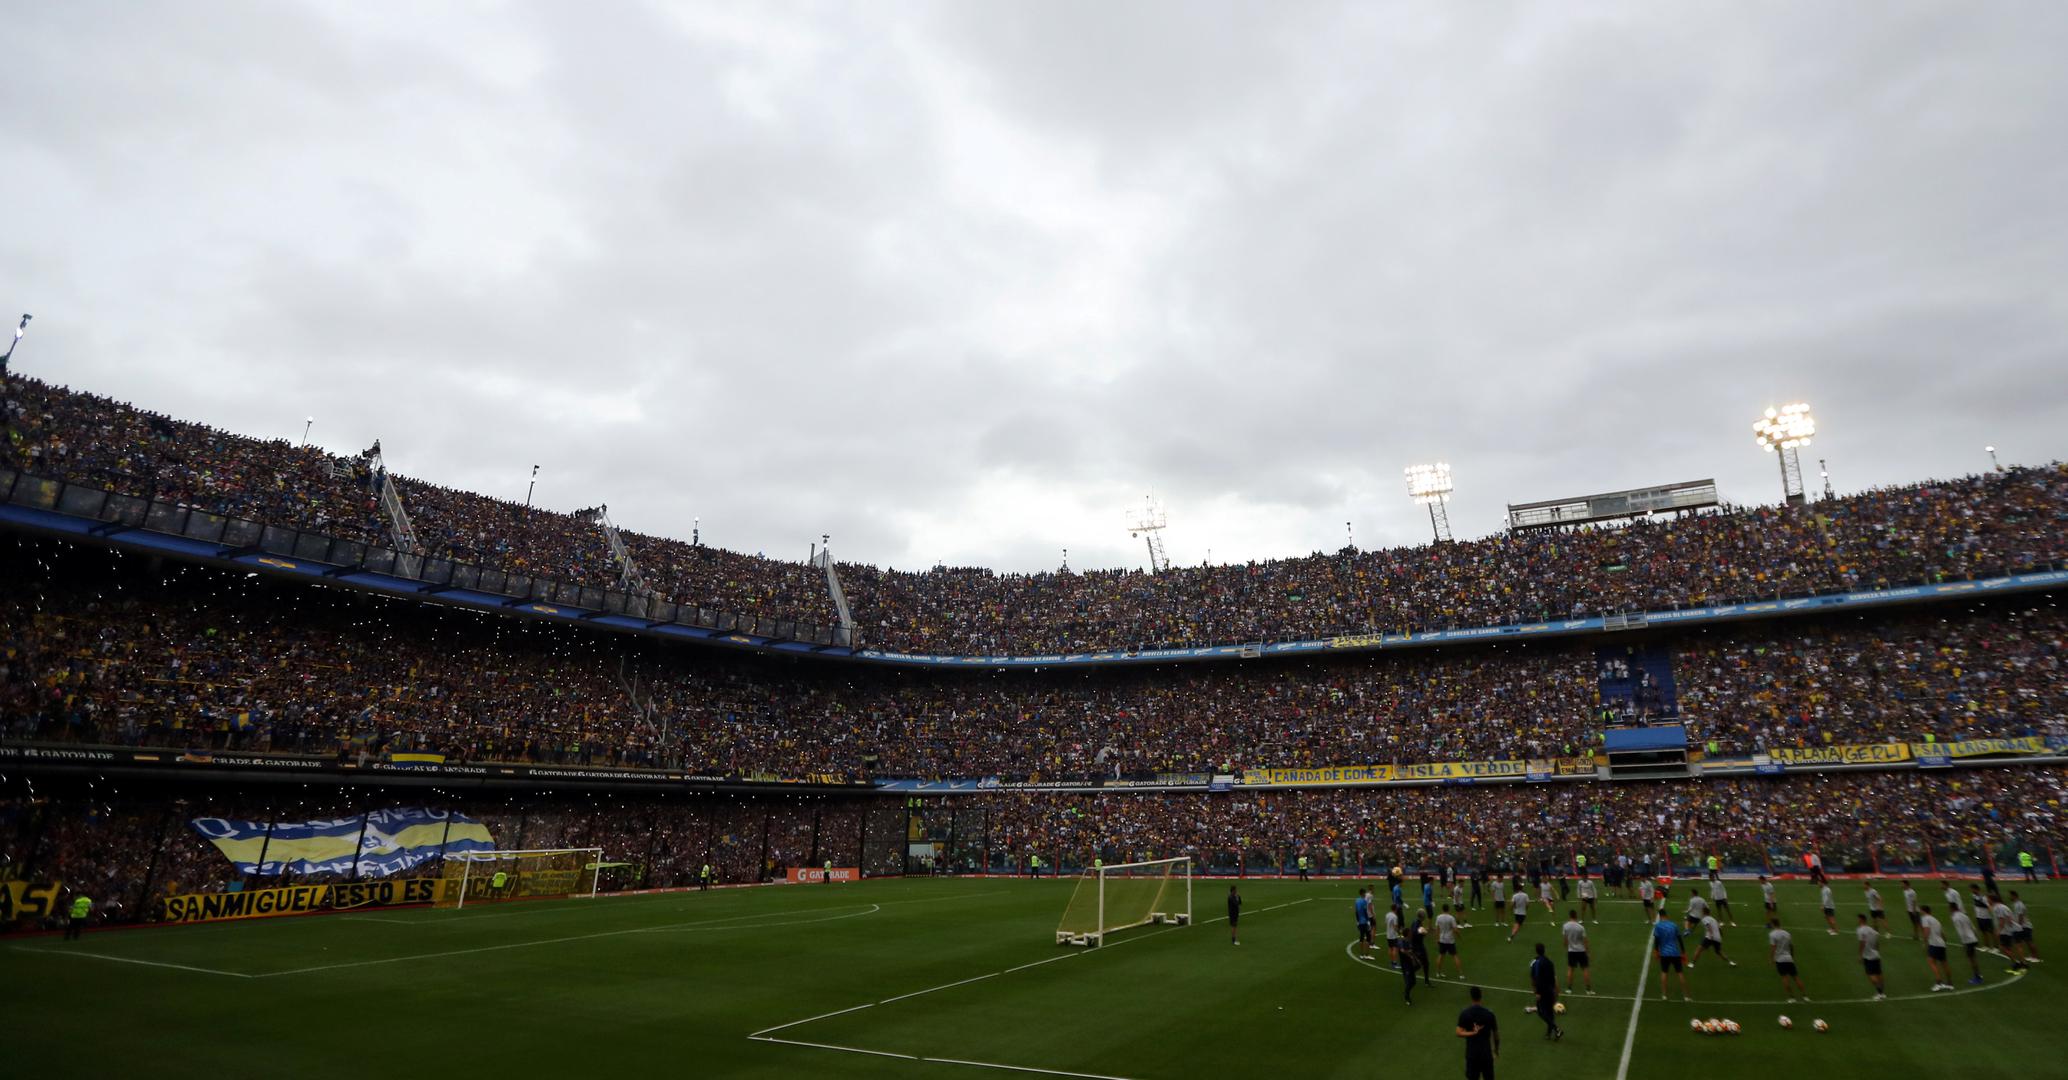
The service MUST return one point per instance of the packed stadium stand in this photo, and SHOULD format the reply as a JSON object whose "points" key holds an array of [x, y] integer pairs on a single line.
{"points": [[140, 691], [1953, 529]]}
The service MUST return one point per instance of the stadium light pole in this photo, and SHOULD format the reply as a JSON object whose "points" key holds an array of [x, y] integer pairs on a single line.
{"points": [[1824, 470], [1784, 432], [306, 425], [20, 329], [1994, 465], [533, 486], [1430, 485], [6, 420]]}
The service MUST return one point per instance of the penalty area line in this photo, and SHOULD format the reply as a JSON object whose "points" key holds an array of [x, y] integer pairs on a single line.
{"points": [[133, 960], [935, 1060], [830, 1046], [764, 1036], [707, 924], [1021, 1068], [1644, 972]]}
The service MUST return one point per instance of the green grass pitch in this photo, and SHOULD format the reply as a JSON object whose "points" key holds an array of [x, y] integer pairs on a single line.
{"points": [[941, 977]]}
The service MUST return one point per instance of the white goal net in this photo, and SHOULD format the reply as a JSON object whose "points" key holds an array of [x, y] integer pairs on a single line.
{"points": [[484, 876], [1113, 898]]}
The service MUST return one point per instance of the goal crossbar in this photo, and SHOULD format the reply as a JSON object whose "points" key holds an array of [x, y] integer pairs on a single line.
{"points": [[485, 856], [461, 886], [1126, 895], [1110, 867]]}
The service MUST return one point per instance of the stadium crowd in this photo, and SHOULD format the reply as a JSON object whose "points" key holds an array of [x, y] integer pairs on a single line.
{"points": [[1909, 819], [106, 649], [1932, 531], [129, 850]]}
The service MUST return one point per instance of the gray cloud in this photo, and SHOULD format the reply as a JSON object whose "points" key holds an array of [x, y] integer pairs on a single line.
{"points": [[964, 282]]}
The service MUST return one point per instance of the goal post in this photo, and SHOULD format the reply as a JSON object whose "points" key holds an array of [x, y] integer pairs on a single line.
{"points": [[486, 876], [1114, 898]]}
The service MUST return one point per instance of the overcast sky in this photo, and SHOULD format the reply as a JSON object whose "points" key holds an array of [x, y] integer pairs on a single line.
{"points": [[964, 282]]}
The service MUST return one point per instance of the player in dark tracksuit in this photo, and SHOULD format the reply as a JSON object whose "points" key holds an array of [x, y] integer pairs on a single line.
{"points": [[1234, 915], [1543, 977], [1482, 1035], [1418, 943], [1408, 967]]}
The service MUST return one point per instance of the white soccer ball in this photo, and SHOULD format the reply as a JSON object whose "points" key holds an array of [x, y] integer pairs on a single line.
{"points": [[1396, 871], [1695, 1026], [1820, 1025], [1730, 1027], [1560, 1006], [1787, 1023]]}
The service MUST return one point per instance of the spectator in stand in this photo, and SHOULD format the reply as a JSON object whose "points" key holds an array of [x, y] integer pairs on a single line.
{"points": [[97, 649], [1934, 531]]}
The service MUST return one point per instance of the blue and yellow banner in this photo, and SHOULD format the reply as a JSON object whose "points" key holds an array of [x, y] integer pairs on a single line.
{"points": [[1461, 770], [1321, 775], [296, 900], [1860, 754], [1965, 748], [1335, 775], [375, 844], [27, 900]]}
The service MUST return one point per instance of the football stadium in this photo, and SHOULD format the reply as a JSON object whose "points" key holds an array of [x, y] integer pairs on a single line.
{"points": [[334, 742], [284, 739]]}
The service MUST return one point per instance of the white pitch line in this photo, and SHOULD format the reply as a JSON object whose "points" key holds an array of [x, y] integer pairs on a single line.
{"points": [[527, 944], [873, 909], [132, 960], [946, 899], [935, 1060], [830, 1046], [763, 1036], [1038, 963], [1021, 1068], [943, 986], [1644, 971]]}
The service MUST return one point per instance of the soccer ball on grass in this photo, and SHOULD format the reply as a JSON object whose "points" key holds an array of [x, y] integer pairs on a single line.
{"points": [[1820, 1025], [1787, 1023]]}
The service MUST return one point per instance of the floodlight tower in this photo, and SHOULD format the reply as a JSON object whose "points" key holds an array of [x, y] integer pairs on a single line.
{"points": [[1783, 432], [1430, 485], [23, 328], [1148, 526]]}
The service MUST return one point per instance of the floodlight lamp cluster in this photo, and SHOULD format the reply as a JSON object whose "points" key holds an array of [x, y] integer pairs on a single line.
{"points": [[1785, 428], [1429, 483]]}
